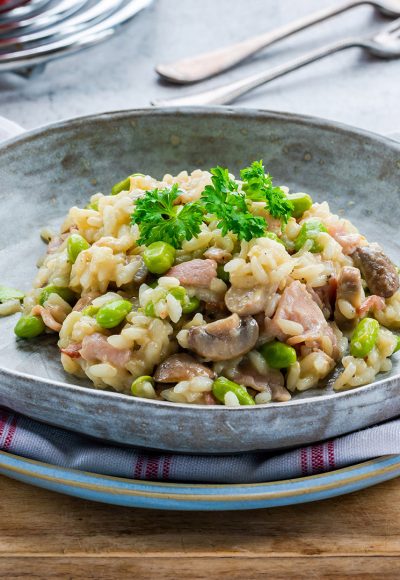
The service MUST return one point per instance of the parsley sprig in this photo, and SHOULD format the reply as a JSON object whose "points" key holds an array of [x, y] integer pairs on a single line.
{"points": [[223, 200], [258, 186], [160, 220]]}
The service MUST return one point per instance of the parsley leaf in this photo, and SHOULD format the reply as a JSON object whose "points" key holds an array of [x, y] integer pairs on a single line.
{"points": [[259, 187], [160, 220], [223, 200]]}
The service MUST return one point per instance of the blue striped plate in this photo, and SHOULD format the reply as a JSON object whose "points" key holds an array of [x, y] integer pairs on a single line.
{"points": [[176, 496]]}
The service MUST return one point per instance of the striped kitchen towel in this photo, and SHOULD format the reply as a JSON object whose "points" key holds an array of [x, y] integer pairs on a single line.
{"points": [[23, 436]]}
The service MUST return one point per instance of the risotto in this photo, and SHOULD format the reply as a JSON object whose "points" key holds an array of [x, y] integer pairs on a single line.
{"points": [[209, 289]]}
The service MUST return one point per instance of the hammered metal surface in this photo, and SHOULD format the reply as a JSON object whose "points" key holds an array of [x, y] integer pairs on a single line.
{"points": [[44, 172]]}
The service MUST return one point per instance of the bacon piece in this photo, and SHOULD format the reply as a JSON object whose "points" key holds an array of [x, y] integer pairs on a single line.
{"points": [[373, 302], [96, 348], [47, 318], [348, 241], [72, 350], [273, 381], [350, 290], [85, 301], [297, 305], [196, 273]]}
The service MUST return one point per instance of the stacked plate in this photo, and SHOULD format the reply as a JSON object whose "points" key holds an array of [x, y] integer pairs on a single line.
{"points": [[37, 31]]}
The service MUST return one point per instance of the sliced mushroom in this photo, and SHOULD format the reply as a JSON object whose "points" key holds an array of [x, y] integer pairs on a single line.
{"points": [[245, 301], [142, 271], [224, 339], [349, 286], [181, 367], [379, 272], [350, 290]]}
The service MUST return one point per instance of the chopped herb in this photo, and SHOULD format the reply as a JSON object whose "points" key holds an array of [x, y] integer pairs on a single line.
{"points": [[223, 200], [259, 187], [160, 220]]}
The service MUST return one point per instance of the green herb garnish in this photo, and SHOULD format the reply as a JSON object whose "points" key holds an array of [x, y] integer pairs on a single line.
{"points": [[160, 220], [258, 186], [223, 200]]}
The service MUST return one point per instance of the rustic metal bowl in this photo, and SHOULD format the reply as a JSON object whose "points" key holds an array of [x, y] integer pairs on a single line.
{"points": [[44, 172]]}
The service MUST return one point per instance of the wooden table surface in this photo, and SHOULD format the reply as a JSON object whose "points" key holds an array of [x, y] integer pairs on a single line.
{"points": [[47, 535]]}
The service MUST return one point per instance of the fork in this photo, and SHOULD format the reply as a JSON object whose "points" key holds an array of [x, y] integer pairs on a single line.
{"points": [[384, 45], [191, 70]]}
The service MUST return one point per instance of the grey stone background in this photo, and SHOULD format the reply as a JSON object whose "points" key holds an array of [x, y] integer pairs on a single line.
{"points": [[351, 87]]}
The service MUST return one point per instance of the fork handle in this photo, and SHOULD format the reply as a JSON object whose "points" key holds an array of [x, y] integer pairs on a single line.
{"points": [[230, 91], [191, 70]]}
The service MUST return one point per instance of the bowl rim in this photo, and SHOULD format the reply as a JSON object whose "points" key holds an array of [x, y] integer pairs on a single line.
{"points": [[210, 111]]}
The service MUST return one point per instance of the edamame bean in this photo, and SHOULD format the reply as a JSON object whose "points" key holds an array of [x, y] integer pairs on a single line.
{"points": [[278, 355], [274, 237], [123, 185], [90, 310], [310, 230], [301, 203], [159, 257], [364, 337], [7, 293], [143, 387], [113, 313], [188, 304], [65, 293], [179, 293], [75, 245], [221, 386], [29, 327], [191, 305], [93, 205], [221, 274], [149, 310]]}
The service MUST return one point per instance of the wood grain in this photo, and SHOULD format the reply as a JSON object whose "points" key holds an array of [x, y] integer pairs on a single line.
{"points": [[47, 535], [221, 568]]}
